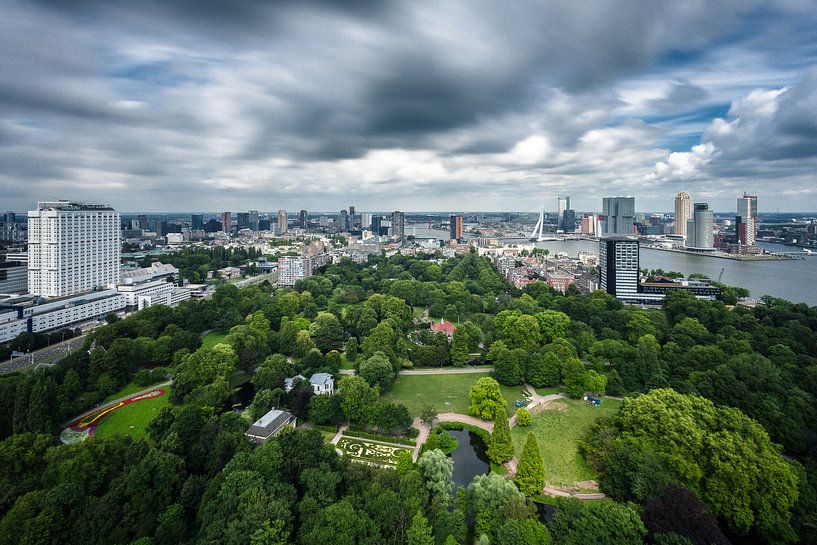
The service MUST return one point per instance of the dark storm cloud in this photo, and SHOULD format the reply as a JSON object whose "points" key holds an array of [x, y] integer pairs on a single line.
{"points": [[291, 99]]}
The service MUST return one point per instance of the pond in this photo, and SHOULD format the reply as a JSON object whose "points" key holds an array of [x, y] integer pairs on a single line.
{"points": [[545, 511], [241, 398], [470, 458]]}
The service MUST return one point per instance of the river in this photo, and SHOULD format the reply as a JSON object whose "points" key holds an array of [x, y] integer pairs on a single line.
{"points": [[791, 279]]}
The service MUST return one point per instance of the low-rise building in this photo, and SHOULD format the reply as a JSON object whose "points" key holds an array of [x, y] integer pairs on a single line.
{"points": [[154, 285], [559, 280], [270, 425], [36, 314], [322, 383]]}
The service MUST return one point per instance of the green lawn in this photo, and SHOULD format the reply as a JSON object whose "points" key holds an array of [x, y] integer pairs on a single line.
{"points": [[345, 363], [212, 339], [447, 393], [418, 311], [558, 433], [132, 419], [130, 388]]}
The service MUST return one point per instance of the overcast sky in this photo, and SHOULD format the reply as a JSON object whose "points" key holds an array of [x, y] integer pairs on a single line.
{"points": [[407, 105]]}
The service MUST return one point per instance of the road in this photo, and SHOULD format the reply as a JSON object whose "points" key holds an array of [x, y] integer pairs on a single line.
{"points": [[49, 354]]}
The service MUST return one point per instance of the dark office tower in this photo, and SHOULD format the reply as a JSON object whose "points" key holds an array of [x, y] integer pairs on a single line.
{"points": [[343, 220], [196, 222], [254, 220], [568, 221], [243, 220], [618, 267], [303, 219], [398, 224], [212, 226], [376, 223], [455, 231], [162, 228], [143, 222], [11, 217]]}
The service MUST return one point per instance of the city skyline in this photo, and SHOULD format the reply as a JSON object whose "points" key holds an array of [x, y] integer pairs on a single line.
{"points": [[254, 106]]}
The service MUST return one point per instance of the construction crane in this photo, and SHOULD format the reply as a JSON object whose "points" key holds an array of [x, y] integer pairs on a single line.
{"points": [[721, 274]]}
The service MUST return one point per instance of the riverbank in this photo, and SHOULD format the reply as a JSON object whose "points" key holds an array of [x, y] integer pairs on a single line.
{"points": [[723, 255]]}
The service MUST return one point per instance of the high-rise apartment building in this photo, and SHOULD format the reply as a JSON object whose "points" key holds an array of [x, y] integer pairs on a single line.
{"points": [[701, 228], [683, 212], [746, 219], [72, 248], [283, 222], [455, 230], [618, 267], [303, 219], [227, 222], [365, 220], [588, 226], [398, 225], [619, 214]]}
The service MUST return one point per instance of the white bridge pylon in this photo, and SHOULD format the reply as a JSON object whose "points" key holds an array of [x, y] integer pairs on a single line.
{"points": [[536, 234]]}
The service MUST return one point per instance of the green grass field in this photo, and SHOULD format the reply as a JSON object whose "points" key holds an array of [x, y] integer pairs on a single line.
{"points": [[447, 393], [129, 388], [558, 433], [132, 419], [345, 363], [212, 339]]}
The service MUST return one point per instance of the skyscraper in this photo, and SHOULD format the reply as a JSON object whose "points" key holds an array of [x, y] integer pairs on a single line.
{"points": [[746, 219], [398, 224], [351, 217], [196, 221], [562, 204], [283, 222], [303, 219], [227, 222], [683, 212], [568, 223], [243, 220], [700, 229], [365, 220], [455, 231], [618, 267], [619, 214], [253, 221], [72, 248]]}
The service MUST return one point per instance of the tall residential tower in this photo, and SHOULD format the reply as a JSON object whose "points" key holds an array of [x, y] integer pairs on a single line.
{"points": [[746, 219], [683, 212], [72, 248]]}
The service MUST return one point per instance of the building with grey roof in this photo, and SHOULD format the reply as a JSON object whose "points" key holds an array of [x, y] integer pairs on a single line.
{"points": [[270, 425]]}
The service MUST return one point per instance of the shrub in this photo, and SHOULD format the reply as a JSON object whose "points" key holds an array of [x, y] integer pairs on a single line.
{"points": [[523, 417]]}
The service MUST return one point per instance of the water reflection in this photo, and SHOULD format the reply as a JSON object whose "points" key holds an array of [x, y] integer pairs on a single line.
{"points": [[470, 458]]}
